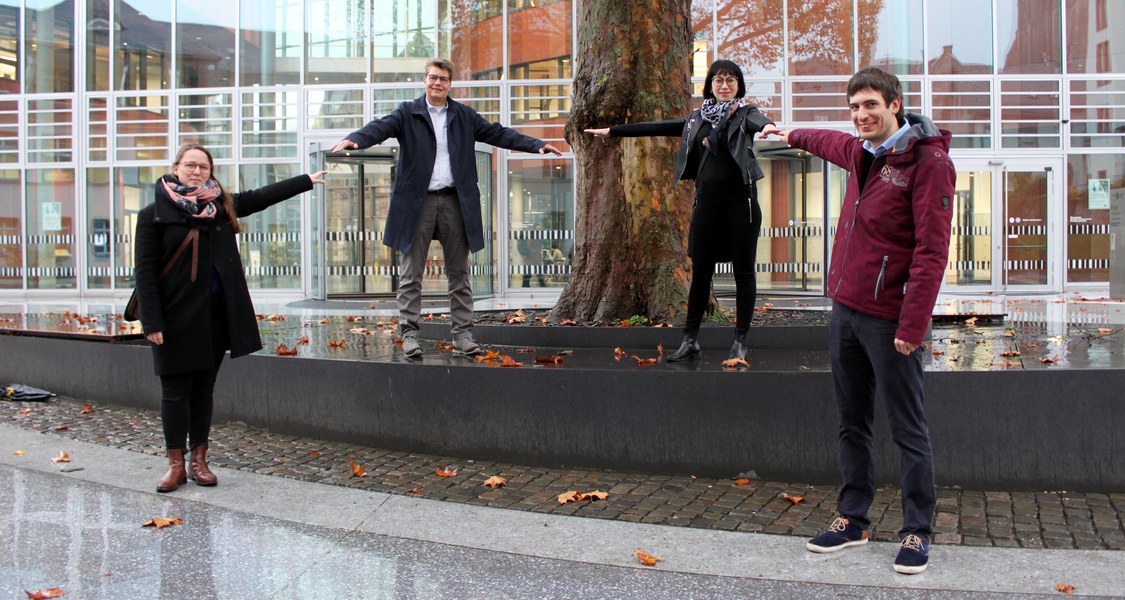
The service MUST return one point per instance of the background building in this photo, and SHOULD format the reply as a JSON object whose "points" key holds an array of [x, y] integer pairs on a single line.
{"points": [[95, 96]]}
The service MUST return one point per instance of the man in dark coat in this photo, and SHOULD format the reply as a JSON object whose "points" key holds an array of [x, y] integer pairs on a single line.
{"points": [[435, 196], [888, 260]]}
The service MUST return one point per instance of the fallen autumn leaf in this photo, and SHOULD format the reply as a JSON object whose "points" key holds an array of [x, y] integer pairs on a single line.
{"points": [[62, 457], [357, 470], [45, 593], [645, 558], [495, 481]]}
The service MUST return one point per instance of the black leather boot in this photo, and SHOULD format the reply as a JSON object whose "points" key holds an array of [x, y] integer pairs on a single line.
{"points": [[688, 349], [738, 349]]}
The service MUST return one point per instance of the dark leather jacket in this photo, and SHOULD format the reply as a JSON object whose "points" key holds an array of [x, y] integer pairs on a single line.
{"points": [[741, 128]]}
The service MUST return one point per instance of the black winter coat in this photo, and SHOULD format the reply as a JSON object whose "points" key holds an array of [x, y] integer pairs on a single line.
{"points": [[180, 307], [410, 124]]}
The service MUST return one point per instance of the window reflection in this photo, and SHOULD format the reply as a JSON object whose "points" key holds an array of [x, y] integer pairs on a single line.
{"points": [[1027, 33], [474, 41], [9, 46], [100, 238], [891, 35], [270, 48], [97, 45], [404, 39], [956, 44], [1093, 180], [541, 231], [749, 32], [539, 41], [205, 43], [50, 229], [11, 231], [49, 47], [143, 34], [1095, 38], [820, 37], [270, 242], [336, 41]]}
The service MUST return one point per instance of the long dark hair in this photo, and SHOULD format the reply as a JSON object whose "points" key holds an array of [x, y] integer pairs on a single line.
{"points": [[724, 67], [228, 202]]}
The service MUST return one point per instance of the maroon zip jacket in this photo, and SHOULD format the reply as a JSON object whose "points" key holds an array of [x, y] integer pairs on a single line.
{"points": [[892, 242]]}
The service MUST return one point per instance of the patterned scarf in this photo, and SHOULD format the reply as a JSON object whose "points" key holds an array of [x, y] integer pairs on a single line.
{"points": [[716, 113], [194, 200]]}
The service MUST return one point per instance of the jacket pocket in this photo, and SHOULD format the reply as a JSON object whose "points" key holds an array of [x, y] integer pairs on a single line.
{"points": [[880, 281]]}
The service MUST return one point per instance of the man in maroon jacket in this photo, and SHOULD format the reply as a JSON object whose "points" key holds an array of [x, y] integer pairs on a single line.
{"points": [[888, 259]]}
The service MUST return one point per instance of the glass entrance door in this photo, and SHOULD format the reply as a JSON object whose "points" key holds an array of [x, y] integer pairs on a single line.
{"points": [[1002, 237]]}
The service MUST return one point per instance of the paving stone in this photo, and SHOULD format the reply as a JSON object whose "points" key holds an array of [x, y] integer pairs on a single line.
{"points": [[964, 517]]}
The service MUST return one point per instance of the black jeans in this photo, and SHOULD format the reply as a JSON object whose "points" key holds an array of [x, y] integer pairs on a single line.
{"points": [[745, 285], [186, 404], [866, 369]]}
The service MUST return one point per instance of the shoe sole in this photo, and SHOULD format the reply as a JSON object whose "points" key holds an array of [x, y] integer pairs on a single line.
{"points": [[476, 352], [830, 549], [416, 354], [905, 570]]}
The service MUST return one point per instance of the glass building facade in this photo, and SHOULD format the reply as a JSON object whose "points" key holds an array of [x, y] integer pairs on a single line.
{"points": [[96, 95]]}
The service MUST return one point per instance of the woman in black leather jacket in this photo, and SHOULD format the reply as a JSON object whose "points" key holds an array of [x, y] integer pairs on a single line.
{"points": [[716, 151]]}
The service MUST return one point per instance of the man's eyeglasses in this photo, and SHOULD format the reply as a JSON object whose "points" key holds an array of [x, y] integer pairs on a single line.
{"points": [[433, 78], [727, 81], [190, 166]]}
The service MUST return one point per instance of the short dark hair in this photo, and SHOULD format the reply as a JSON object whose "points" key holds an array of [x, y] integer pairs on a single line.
{"points": [[724, 67], [880, 81], [441, 63]]}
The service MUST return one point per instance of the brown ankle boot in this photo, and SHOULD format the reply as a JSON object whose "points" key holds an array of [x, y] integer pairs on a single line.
{"points": [[176, 476], [198, 471]]}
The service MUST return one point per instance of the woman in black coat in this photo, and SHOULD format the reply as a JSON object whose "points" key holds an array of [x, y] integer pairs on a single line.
{"points": [[716, 151], [194, 301]]}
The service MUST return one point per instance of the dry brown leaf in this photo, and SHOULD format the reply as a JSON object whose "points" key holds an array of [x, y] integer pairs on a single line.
{"points": [[794, 499], [45, 593], [361, 331], [735, 363], [644, 361], [1007, 363], [971, 321], [161, 522], [323, 321], [517, 318], [338, 344], [416, 490], [19, 453], [570, 496], [1049, 361], [428, 317], [62, 457], [490, 355], [1010, 354], [742, 481], [60, 428], [314, 453], [594, 495], [645, 558], [23, 411], [660, 349], [1009, 333], [353, 319], [445, 471], [86, 409], [283, 350], [1065, 588], [1105, 330], [495, 481], [556, 359], [568, 322], [508, 361], [938, 352], [304, 339], [357, 469]]}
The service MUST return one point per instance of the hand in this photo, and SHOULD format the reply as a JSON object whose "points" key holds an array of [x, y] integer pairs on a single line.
{"points": [[772, 129], [603, 132], [156, 338], [905, 348], [344, 145], [317, 177], [549, 148]]}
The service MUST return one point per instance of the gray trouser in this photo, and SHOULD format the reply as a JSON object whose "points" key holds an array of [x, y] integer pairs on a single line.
{"points": [[440, 220]]}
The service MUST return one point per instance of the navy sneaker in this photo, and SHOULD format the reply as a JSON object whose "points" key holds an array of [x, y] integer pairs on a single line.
{"points": [[840, 535], [913, 555]]}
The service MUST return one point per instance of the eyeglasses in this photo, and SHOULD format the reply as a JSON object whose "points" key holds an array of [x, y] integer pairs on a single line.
{"points": [[727, 81], [441, 78], [190, 166]]}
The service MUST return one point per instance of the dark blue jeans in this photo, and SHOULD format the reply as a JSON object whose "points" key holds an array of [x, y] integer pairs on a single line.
{"points": [[866, 369]]}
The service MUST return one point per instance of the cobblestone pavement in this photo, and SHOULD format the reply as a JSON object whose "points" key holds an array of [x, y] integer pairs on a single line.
{"points": [[1049, 519]]}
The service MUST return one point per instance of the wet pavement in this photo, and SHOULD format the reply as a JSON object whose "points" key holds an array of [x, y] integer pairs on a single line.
{"points": [[77, 526], [1034, 333]]}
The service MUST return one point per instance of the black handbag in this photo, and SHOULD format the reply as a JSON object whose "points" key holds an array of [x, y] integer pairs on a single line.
{"points": [[133, 306]]}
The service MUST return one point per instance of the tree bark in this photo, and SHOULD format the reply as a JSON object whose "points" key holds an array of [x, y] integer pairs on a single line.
{"points": [[631, 219]]}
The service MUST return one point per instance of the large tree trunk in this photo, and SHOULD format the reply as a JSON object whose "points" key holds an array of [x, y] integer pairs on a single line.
{"points": [[633, 64]]}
